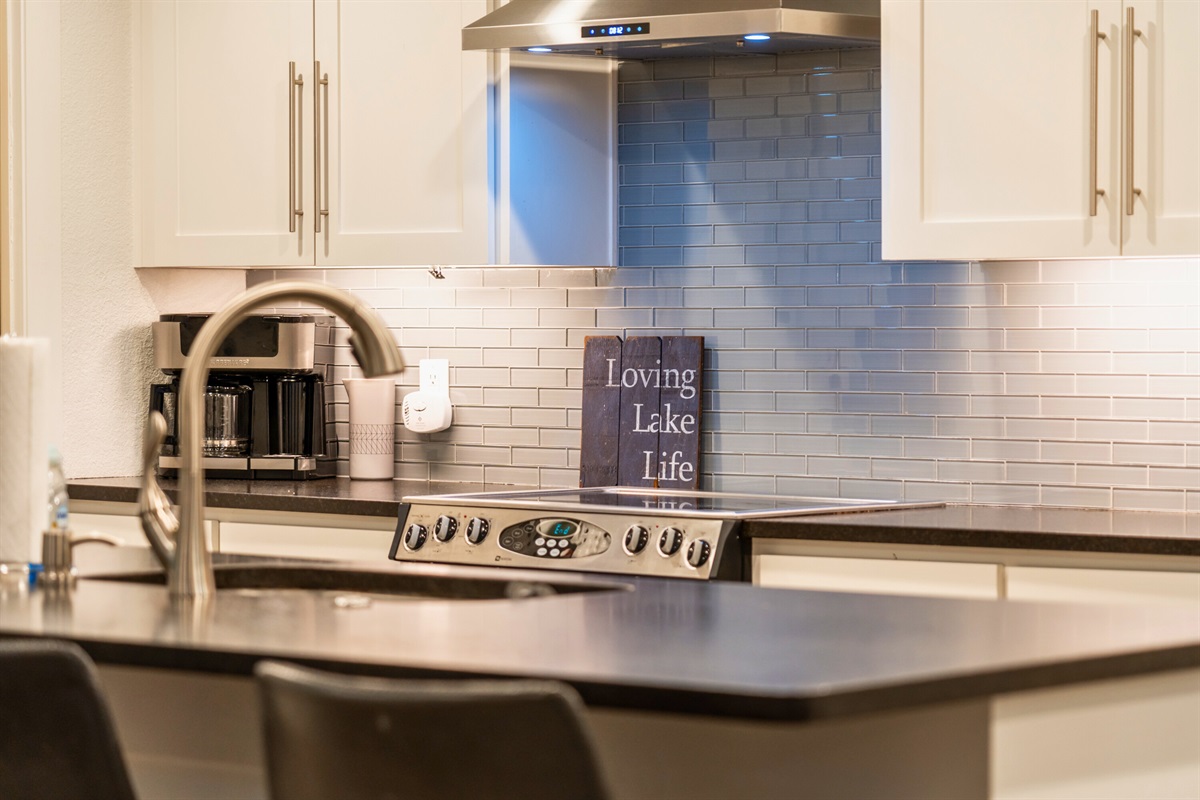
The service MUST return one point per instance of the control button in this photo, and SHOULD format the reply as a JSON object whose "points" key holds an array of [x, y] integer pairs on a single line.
{"points": [[539, 541], [518, 546], [670, 541], [698, 553], [477, 530], [541, 551], [635, 539], [414, 537], [445, 528], [556, 553]]}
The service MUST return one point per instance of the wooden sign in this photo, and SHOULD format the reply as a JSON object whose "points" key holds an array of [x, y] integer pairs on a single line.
{"points": [[641, 411]]}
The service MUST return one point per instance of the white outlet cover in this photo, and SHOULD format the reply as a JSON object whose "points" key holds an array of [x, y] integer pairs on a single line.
{"points": [[435, 375]]}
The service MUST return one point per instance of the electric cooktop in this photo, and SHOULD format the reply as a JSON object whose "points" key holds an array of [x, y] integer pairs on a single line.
{"points": [[615, 530]]}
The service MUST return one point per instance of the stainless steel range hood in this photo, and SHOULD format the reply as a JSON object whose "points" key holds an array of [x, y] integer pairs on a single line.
{"points": [[650, 29]]}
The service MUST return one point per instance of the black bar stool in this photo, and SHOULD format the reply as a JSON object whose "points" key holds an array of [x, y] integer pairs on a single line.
{"points": [[57, 740], [330, 735]]}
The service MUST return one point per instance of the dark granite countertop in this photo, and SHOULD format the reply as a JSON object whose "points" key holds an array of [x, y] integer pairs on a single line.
{"points": [[724, 649], [1061, 529], [321, 496]]}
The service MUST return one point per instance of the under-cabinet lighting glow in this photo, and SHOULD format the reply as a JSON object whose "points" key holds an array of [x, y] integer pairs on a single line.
{"points": [[756, 37]]}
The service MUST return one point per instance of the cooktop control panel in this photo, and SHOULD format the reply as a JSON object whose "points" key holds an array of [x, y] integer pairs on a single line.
{"points": [[605, 541]]}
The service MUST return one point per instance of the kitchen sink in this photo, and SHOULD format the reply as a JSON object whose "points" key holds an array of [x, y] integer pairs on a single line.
{"points": [[252, 578]]}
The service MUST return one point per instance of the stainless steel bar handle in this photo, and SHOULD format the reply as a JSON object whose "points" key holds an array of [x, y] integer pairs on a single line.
{"points": [[1131, 33], [295, 183], [298, 211], [291, 147], [1094, 122], [321, 119]]}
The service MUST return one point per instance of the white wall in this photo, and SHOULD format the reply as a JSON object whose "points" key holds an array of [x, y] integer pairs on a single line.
{"points": [[74, 243]]}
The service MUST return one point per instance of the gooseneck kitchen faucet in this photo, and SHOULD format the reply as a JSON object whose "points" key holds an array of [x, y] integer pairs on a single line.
{"points": [[186, 559]]}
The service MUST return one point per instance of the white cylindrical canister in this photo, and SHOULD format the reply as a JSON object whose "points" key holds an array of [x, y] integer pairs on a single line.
{"points": [[372, 427]]}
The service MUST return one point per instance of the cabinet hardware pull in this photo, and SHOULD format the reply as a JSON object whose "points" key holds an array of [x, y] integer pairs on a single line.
{"points": [[295, 182], [1096, 35], [322, 144], [1131, 32]]}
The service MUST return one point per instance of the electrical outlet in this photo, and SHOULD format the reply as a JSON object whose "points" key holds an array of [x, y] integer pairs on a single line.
{"points": [[435, 375]]}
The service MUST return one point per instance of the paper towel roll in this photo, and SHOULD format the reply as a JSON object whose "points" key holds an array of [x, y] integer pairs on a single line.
{"points": [[24, 446]]}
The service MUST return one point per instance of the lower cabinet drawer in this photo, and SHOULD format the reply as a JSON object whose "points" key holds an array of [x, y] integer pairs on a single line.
{"points": [[878, 576], [301, 541], [1069, 584]]}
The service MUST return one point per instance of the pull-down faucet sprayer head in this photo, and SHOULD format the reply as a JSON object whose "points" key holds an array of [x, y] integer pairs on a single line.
{"points": [[187, 560]]}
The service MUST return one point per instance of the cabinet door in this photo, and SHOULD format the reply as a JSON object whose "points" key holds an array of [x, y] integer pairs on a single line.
{"points": [[404, 165], [1165, 122], [217, 110], [987, 108]]}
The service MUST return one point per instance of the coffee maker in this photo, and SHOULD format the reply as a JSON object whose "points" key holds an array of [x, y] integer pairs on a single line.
{"points": [[267, 408]]}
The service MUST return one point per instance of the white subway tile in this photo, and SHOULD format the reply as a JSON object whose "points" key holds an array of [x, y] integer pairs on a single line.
{"points": [[1149, 407], [569, 277], [1111, 475], [970, 426], [542, 298], [937, 491], [1077, 497], [510, 357], [483, 298], [1171, 431], [806, 444], [510, 436], [975, 471], [1174, 478], [1093, 407], [1036, 472], [1148, 500], [512, 476], [480, 337], [520, 277], [1150, 363], [1005, 494], [1127, 385], [1005, 449], [904, 468], [541, 377], [536, 337], [510, 397], [1093, 452], [606, 297], [871, 489], [1039, 339], [539, 457], [1112, 430]]}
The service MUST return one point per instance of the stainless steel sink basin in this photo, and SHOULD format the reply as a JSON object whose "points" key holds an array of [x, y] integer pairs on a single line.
{"points": [[385, 584]]}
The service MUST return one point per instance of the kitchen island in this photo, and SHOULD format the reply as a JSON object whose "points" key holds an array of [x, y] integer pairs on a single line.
{"points": [[694, 689]]}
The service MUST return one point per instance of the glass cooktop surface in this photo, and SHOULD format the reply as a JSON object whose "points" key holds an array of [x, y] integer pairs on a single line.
{"points": [[667, 501]]}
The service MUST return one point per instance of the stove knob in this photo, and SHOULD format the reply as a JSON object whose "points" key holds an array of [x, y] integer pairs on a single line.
{"points": [[445, 528], [635, 539], [414, 537], [670, 541], [698, 553], [477, 530]]}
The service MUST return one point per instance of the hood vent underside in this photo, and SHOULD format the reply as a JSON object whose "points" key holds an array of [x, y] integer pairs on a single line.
{"points": [[652, 29]]}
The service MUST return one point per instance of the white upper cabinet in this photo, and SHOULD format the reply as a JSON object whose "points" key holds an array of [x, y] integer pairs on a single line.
{"points": [[1008, 128], [380, 158]]}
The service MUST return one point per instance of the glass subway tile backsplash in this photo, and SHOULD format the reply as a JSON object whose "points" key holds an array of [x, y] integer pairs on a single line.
{"points": [[750, 215]]}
